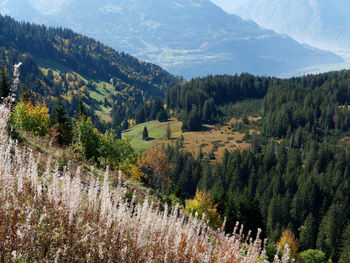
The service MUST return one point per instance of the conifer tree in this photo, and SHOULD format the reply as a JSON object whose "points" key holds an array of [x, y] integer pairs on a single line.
{"points": [[4, 83], [168, 132], [162, 115], [81, 111], [145, 134], [62, 124], [307, 234]]}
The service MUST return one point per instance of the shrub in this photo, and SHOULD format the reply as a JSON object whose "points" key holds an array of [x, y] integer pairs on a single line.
{"points": [[155, 167], [115, 152], [313, 256], [32, 118], [86, 138], [288, 238]]}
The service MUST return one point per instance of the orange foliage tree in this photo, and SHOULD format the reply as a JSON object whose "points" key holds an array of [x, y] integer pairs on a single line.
{"points": [[155, 168]]}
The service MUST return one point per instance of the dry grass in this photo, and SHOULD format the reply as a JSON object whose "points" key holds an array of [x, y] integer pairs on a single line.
{"points": [[194, 140], [344, 140]]}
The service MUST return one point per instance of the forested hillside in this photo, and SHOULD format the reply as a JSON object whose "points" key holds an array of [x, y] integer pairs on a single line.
{"points": [[295, 174], [59, 62]]}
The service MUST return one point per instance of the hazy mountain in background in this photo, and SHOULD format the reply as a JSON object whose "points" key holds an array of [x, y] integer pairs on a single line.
{"points": [[324, 24], [20, 9], [186, 37]]}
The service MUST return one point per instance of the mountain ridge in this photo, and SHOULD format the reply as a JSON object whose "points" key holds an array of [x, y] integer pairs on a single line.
{"points": [[189, 38], [318, 23], [59, 62]]}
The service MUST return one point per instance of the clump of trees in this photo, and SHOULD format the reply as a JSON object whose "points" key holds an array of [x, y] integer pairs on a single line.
{"points": [[198, 101], [103, 149]]}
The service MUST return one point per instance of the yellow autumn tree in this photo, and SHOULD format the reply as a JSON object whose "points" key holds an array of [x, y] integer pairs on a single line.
{"points": [[202, 204], [32, 118], [288, 237]]}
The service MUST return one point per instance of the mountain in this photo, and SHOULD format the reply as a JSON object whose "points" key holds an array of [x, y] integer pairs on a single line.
{"points": [[186, 37], [20, 9], [316, 22], [59, 62]]}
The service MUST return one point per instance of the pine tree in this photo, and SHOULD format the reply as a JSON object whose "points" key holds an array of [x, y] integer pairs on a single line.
{"points": [[62, 124], [145, 134], [168, 132], [208, 111], [307, 234], [194, 120], [4, 83], [345, 255], [81, 111], [345, 245], [140, 115]]}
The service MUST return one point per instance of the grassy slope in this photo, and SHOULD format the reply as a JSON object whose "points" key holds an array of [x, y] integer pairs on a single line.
{"points": [[103, 90], [156, 133]]}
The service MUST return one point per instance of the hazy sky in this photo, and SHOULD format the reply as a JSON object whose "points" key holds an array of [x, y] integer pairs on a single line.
{"points": [[227, 5]]}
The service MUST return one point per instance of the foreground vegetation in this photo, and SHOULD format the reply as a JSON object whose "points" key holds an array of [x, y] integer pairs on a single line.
{"points": [[48, 214]]}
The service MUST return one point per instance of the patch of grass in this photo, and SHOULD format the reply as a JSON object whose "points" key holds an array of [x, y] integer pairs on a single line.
{"points": [[140, 145], [99, 92], [156, 131]]}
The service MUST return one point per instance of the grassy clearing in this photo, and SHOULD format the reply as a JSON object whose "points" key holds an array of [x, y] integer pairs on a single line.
{"points": [[156, 132], [219, 139]]}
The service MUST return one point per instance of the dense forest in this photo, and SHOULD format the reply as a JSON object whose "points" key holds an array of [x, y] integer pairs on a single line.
{"points": [[198, 100], [59, 62]]}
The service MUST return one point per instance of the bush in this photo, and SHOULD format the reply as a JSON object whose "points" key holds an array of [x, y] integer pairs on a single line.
{"points": [[32, 118], [86, 138], [162, 115], [313, 256], [115, 152], [289, 239]]}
